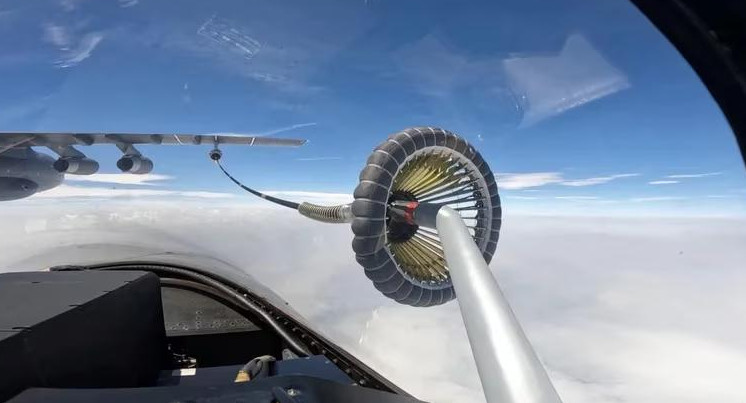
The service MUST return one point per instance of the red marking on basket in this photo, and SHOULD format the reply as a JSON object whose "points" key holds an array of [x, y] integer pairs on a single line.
{"points": [[409, 211]]}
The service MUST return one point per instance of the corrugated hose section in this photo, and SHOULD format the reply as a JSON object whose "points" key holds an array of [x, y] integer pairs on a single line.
{"points": [[330, 214]]}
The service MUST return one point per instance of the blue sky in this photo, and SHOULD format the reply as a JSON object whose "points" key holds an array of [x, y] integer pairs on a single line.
{"points": [[578, 106]]}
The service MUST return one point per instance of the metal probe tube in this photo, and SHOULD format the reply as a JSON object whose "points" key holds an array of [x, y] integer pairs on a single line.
{"points": [[507, 363]]}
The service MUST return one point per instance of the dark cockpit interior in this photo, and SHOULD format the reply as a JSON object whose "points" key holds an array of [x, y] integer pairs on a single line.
{"points": [[152, 332]]}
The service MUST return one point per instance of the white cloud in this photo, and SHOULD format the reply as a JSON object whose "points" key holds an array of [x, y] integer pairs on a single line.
{"points": [[596, 180], [82, 51], [70, 5], [68, 192], [57, 35], [688, 176], [655, 199], [203, 194], [128, 3], [662, 182], [120, 179], [269, 132], [629, 326], [576, 197], [527, 180], [65, 191], [287, 128], [319, 159], [537, 179], [73, 45], [511, 196], [636, 365]]}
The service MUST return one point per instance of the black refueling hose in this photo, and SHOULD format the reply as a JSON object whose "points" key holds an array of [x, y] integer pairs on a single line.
{"points": [[330, 214], [276, 200]]}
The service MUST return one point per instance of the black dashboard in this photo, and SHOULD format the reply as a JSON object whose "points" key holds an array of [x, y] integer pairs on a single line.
{"points": [[80, 335]]}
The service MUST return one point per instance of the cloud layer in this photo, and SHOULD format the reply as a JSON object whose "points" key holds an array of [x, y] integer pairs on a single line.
{"points": [[120, 179], [104, 193], [538, 179], [688, 176], [141, 187], [620, 310]]}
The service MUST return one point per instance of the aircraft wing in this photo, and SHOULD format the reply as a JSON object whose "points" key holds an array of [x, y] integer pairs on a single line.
{"points": [[60, 141]]}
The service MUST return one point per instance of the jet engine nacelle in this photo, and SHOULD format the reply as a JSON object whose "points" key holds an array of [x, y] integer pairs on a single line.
{"points": [[135, 164], [76, 166]]}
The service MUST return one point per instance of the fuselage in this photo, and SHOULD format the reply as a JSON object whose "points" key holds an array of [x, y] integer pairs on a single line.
{"points": [[24, 172]]}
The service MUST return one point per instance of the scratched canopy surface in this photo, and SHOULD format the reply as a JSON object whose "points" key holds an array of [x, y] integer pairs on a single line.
{"points": [[612, 160]]}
